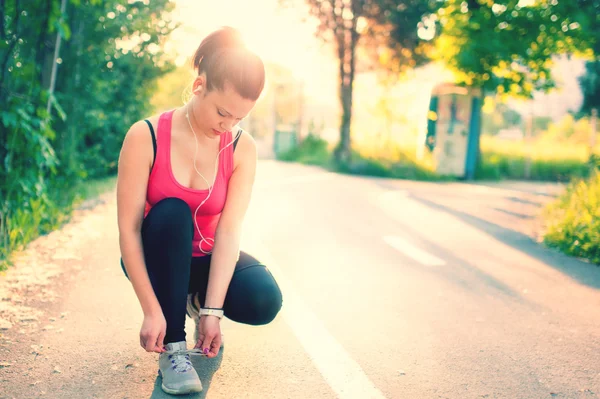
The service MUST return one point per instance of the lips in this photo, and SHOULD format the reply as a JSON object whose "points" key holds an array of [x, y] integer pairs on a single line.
{"points": [[217, 132]]}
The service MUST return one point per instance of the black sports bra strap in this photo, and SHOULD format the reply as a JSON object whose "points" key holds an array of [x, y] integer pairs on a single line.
{"points": [[237, 138], [153, 138]]}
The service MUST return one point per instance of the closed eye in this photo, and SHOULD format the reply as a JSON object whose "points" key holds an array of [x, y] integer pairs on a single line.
{"points": [[228, 115]]}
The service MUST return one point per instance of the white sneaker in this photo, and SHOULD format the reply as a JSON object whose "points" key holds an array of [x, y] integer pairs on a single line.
{"points": [[175, 367]]}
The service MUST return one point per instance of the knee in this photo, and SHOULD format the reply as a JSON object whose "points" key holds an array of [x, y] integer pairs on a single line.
{"points": [[256, 288], [266, 304], [171, 212]]}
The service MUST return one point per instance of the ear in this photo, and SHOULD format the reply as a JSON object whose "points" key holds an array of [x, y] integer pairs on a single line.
{"points": [[199, 84]]}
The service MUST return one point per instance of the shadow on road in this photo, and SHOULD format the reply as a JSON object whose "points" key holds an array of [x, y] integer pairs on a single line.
{"points": [[465, 275], [206, 369], [580, 271]]}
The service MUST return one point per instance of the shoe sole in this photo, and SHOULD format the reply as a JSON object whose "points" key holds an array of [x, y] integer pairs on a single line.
{"points": [[181, 391]]}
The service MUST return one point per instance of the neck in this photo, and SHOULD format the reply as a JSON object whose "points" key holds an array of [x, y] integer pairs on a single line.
{"points": [[191, 124]]}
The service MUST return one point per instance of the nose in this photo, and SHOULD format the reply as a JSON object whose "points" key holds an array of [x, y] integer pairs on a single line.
{"points": [[227, 126]]}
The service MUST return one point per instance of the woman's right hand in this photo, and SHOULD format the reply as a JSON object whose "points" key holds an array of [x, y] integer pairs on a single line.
{"points": [[153, 333]]}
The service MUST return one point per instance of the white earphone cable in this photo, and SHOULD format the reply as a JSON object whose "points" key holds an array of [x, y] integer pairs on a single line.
{"points": [[210, 186]]}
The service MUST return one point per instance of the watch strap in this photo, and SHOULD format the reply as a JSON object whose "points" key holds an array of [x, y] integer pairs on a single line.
{"points": [[212, 312]]}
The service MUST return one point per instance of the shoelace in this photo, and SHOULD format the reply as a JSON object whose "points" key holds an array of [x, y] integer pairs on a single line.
{"points": [[180, 359]]}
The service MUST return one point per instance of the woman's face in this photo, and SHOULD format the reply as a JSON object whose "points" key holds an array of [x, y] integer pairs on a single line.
{"points": [[218, 111]]}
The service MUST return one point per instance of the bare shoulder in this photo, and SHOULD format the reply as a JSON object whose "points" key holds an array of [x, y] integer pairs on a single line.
{"points": [[139, 132], [245, 151], [137, 146]]}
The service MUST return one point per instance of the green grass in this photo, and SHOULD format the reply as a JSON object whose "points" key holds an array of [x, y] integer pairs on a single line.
{"points": [[92, 189], [40, 216], [559, 161], [550, 160], [573, 220], [375, 161]]}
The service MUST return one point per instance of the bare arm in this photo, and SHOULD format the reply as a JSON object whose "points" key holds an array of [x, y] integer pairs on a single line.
{"points": [[227, 235], [134, 170]]}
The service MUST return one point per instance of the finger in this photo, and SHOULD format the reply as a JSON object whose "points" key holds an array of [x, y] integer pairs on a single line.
{"points": [[200, 340], [161, 338], [144, 343], [206, 345], [214, 348], [150, 344]]}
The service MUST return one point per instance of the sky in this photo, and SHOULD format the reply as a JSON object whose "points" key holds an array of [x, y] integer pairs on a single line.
{"points": [[277, 35], [281, 36]]}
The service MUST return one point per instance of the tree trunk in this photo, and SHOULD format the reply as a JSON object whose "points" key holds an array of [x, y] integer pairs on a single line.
{"points": [[43, 56], [77, 109], [12, 42], [342, 153], [63, 7], [347, 38]]}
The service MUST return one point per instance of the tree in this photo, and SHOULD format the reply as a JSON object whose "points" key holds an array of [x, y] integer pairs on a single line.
{"points": [[108, 72], [500, 117], [338, 21], [345, 23], [398, 37], [101, 87], [506, 46]]}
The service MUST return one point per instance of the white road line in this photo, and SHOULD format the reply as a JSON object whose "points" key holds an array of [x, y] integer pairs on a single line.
{"points": [[412, 251], [343, 374]]}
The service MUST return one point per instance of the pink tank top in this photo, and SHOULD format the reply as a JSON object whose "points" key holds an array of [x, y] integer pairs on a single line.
{"points": [[162, 184]]}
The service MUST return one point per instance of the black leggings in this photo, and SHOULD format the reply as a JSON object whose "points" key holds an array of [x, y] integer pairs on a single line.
{"points": [[253, 296]]}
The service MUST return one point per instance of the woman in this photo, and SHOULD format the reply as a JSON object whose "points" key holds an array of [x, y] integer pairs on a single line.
{"points": [[182, 194]]}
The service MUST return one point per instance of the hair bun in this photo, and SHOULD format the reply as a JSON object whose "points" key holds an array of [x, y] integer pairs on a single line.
{"points": [[224, 57]]}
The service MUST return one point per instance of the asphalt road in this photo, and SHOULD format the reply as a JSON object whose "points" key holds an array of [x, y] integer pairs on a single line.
{"points": [[392, 289]]}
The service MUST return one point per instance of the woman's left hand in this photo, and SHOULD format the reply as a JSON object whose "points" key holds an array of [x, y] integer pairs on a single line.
{"points": [[209, 335]]}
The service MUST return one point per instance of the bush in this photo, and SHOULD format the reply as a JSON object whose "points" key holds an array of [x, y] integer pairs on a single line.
{"points": [[573, 220], [550, 160], [45, 155], [312, 150], [48, 212], [366, 161]]}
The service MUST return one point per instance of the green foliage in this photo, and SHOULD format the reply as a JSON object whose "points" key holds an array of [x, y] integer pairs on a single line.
{"points": [[559, 154], [573, 220], [312, 150], [499, 165], [349, 23], [507, 48], [403, 166], [568, 131], [107, 77], [396, 164], [173, 89], [500, 117], [109, 60], [551, 159], [391, 35]]}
